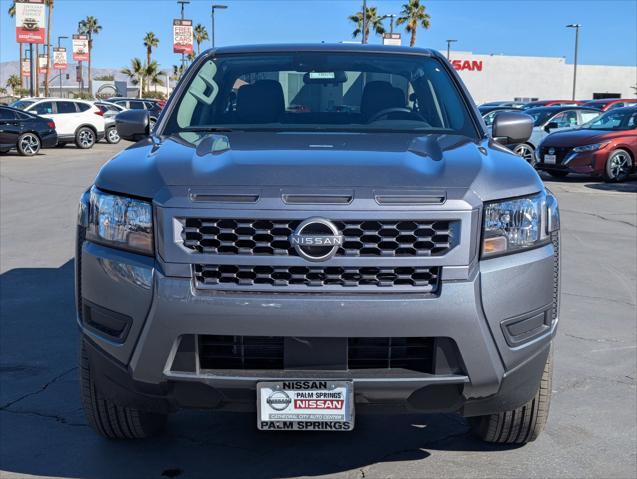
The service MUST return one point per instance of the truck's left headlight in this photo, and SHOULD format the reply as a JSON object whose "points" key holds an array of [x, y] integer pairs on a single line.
{"points": [[120, 222], [518, 224]]}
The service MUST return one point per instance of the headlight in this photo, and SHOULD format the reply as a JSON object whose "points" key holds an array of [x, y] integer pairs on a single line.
{"points": [[518, 224], [120, 222], [593, 147]]}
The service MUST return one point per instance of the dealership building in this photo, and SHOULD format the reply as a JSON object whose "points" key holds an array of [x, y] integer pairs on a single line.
{"points": [[505, 77]]}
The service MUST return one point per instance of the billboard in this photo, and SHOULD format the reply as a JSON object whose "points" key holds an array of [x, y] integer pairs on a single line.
{"points": [[29, 21], [182, 36], [43, 64], [80, 48], [391, 39], [26, 67], [59, 58]]}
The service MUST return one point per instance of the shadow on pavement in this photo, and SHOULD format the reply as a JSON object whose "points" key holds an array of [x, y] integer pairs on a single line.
{"points": [[43, 431], [625, 187]]}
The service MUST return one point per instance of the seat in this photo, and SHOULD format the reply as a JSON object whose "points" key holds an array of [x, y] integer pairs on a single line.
{"points": [[380, 95], [260, 102]]}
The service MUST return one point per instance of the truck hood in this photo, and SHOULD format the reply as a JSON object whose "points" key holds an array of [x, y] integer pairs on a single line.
{"points": [[261, 159]]}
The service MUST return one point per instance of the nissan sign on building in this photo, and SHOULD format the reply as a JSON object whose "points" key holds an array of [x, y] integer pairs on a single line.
{"points": [[505, 77]]}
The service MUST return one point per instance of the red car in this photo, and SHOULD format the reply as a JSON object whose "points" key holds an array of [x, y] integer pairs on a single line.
{"points": [[610, 103], [606, 147]]}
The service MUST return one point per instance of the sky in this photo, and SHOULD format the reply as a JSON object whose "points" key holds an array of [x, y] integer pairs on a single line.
{"points": [[511, 27]]}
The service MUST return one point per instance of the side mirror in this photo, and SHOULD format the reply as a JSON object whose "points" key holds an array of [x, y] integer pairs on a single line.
{"points": [[511, 127], [133, 125], [551, 126]]}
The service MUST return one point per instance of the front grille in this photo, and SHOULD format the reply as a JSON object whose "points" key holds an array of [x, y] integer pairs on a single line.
{"points": [[267, 352], [240, 352], [389, 353], [360, 238], [560, 153], [426, 279]]}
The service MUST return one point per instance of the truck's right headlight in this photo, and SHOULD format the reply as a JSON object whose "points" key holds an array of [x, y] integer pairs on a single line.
{"points": [[120, 222], [518, 224]]}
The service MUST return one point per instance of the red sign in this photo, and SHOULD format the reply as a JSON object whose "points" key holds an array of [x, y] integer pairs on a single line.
{"points": [[43, 64], [80, 48], [472, 66], [29, 21], [59, 59], [182, 36], [26, 67]]}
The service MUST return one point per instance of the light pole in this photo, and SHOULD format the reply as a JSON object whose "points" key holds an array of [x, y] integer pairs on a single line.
{"points": [[391, 17], [59, 46], [182, 3], [449, 42], [576, 26], [212, 35], [81, 75]]}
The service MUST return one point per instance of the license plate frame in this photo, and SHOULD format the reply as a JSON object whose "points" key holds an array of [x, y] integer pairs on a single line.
{"points": [[288, 413], [550, 159]]}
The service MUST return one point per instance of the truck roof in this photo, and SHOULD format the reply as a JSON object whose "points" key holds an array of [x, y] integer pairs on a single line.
{"points": [[322, 47]]}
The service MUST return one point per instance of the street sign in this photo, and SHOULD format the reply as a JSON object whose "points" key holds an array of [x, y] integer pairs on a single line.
{"points": [[392, 39], [59, 58], [29, 21], [80, 48], [182, 36], [26, 68], [43, 65]]}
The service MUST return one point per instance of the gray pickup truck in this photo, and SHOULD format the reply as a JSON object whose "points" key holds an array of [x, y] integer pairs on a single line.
{"points": [[312, 232]]}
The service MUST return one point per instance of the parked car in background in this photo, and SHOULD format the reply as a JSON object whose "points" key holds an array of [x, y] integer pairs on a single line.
{"points": [[610, 103], [76, 121], [511, 104], [605, 147], [110, 111], [154, 107], [549, 119], [488, 112], [539, 103], [25, 132]]}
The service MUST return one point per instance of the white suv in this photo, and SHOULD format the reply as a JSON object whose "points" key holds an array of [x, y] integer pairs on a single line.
{"points": [[76, 121]]}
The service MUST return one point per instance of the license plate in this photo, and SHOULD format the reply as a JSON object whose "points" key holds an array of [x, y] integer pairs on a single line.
{"points": [[549, 159], [306, 405]]}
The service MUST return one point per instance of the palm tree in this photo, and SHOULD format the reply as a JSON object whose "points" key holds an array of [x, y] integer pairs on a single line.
{"points": [[373, 20], [90, 26], [414, 15], [190, 57], [49, 4], [201, 34], [11, 13], [136, 73], [14, 83], [150, 42]]}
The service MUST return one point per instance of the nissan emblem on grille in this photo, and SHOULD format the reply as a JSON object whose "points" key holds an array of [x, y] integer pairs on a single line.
{"points": [[316, 239]]}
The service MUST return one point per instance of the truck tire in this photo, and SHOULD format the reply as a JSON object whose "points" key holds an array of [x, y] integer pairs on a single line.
{"points": [[523, 424], [109, 419]]}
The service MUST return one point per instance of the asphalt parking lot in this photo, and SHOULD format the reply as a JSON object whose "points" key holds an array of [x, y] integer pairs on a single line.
{"points": [[592, 430]]}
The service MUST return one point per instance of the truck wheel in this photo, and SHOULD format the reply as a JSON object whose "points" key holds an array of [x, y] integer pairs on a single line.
{"points": [[85, 138], [28, 144], [618, 166], [520, 425], [109, 419]]}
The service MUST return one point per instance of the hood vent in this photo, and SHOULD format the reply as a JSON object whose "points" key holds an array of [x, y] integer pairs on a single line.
{"points": [[317, 199], [224, 198], [410, 198]]}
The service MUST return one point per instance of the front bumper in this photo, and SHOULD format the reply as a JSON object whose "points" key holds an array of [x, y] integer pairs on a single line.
{"points": [[499, 367], [586, 163]]}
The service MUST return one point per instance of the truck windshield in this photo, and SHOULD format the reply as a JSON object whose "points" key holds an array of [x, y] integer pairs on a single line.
{"points": [[320, 91]]}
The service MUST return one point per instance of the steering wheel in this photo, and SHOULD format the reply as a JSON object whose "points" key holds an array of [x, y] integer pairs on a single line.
{"points": [[387, 111]]}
